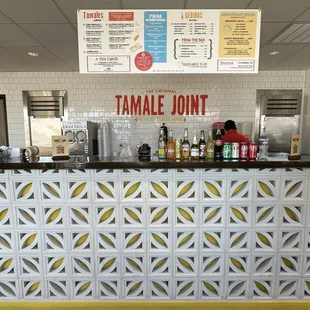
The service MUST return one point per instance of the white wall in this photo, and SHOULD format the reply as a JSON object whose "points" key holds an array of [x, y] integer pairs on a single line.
{"points": [[91, 97]]}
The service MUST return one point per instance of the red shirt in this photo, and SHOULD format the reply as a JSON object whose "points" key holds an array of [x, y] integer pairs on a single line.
{"points": [[234, 136]]}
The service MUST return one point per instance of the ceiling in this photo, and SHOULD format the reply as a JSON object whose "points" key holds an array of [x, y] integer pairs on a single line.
{"points": [[49, 28]]}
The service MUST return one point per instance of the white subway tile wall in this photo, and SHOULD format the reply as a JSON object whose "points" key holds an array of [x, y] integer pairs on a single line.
{"points": [[92, 97]]}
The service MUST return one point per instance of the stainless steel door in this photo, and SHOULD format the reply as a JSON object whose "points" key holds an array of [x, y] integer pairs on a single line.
{"points": [[3, 123], [279, 131], [41, 132]]}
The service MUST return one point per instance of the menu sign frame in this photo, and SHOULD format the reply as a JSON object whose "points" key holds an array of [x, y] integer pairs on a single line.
{"points": [[168, 41]]}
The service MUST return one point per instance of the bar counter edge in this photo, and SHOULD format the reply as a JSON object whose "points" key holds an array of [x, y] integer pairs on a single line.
{"points": [[133, 163]]}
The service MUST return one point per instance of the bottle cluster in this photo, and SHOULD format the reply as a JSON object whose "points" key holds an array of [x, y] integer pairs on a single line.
{"points": [[210, 149], [182, 149]]}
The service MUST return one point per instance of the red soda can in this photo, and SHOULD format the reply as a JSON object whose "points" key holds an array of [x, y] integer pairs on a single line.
{"points": [[253, 150], [244, 150]]}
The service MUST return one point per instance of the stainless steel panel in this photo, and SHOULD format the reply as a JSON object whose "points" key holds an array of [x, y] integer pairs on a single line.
{"points": [[42, 130], [44, 104], [3, 123], [279, 131]]}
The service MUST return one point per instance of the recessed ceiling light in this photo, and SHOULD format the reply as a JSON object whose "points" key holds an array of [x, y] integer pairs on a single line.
{"points": [[274, 53], [33, 54]]}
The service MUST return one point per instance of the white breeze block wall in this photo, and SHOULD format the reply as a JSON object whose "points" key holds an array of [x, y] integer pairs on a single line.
{"points": [[92, 97]]}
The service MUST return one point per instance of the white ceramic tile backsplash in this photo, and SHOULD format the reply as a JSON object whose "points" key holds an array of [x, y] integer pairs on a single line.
{"points": [[91, 97]]}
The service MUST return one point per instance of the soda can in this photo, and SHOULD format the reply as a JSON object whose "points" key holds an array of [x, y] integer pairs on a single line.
{"points": [[253, 150], [244, 150], [235, 150], [226, 150]]}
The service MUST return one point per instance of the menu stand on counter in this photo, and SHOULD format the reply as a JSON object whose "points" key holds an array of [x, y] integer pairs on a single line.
{"points": [[60, 149]]}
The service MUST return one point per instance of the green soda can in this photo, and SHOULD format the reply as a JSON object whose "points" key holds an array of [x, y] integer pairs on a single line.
{"points": [[227, 150]]}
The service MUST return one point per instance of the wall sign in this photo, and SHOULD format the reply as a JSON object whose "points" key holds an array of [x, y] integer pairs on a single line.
{"points": [[169, 41]]}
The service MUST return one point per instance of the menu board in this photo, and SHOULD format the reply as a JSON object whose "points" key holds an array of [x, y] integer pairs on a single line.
{"points": [[169, 41]]}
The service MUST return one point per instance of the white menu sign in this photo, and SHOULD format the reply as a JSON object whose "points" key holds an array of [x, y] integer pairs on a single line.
{"points": [[169, 41]]}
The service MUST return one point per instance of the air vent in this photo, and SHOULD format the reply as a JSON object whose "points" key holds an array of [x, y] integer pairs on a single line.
{"points": [[45, 104], [281, 103], [296, 33], [282, 106]]}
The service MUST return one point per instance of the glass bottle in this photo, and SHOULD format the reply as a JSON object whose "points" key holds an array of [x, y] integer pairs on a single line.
{"points": [[170, 146], [161, 145], [218, 146], [202, 145], [263, 145], [195, 149], [210, 147], [165, 129], [185, 146]]}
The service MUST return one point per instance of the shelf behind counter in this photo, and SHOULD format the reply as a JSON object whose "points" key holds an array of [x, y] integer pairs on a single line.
{"points": [[82, 162]]}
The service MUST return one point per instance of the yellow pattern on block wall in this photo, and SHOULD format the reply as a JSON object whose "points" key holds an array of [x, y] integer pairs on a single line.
{"points": [[179, 234]]}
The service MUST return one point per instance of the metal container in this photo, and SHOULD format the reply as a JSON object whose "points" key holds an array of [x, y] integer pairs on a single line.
{"points": [[244, 150], [235, 150], [253, 150], [227, 150]]}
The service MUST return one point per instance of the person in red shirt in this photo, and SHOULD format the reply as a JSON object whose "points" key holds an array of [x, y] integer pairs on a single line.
{"points": [[232, 134]]}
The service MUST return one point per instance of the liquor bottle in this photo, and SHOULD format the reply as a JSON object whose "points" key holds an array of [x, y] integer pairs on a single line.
{"points": [[202, 145], [170, 146], [210, 147], [218, 146], [165, 129], [162, 145], [263, 145], [178, 149], [195, 149], [185, 146]]}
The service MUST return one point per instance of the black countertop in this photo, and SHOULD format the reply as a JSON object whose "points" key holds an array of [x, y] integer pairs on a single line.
{"points": [[82, 162]]}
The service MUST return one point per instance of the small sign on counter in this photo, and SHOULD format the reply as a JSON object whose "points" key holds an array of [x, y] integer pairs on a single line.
{"points": [[60, 149], [295, 147]]}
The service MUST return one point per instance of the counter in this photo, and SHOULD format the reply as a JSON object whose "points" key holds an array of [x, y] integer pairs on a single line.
{"points": [[82, 162], [126, 230]]}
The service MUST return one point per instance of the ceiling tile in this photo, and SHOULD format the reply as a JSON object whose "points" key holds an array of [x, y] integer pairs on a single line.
{"points": [[151, 5], [15, 66], [299, 60], [12, 35], [4, 19], [70, 7], [5, 55], [52, 66], [52, 34], [219, 4], [284, 11], [269, 30], [65, 53], [74, 66], [305, 17], [269, 61], [22, 52], [32, 11]]}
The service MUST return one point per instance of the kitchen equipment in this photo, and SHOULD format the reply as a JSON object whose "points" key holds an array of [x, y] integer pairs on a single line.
{"points": [[144, 152], [43, 113], [279, 111], [3, 122], [82, 137]]}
